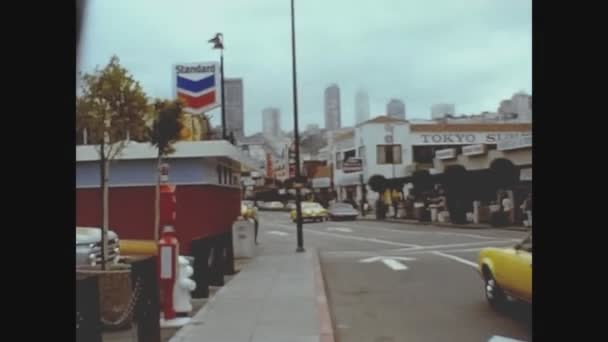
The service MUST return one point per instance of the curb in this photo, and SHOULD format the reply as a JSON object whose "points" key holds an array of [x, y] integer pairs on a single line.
{"points": [[325, 321]]}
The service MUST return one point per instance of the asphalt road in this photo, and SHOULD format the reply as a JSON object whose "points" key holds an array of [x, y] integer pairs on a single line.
{"points": [[397, 282]]}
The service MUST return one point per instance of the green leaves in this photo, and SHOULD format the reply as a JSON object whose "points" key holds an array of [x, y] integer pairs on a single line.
{"points": [[111, 93], [167, 125]]}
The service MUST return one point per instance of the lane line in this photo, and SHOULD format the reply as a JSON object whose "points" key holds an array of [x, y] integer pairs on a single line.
{"points": [[482, 237], [350, 237], [466, 244], [461, 260]]}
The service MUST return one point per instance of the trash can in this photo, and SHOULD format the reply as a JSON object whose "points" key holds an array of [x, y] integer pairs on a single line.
{"points": [[243, 238], [418, 210], [434, 212]]}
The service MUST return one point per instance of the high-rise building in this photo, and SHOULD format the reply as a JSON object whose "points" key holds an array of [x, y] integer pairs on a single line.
{"points": [[234, 106], [361, 106], [271, 122], [332, 107], [519, 107], [522, 105], [441, 110], [396, 108]]}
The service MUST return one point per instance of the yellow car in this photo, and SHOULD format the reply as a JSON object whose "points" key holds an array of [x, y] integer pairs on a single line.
{"points": [[311, 211], [249, 211], [507, 272]]}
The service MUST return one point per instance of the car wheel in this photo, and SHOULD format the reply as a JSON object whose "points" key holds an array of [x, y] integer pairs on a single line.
{"points": [[494, 294]]}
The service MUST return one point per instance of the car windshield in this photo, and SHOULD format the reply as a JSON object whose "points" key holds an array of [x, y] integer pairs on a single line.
{"points": [[309, 205], [342, 206]]}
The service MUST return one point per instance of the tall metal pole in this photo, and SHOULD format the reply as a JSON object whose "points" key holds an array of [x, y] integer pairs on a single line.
{"points": [[223, 95], [296, 133]]}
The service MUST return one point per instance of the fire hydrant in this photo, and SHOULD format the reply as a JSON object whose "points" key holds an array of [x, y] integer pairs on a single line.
{"points": [[183, 286]]}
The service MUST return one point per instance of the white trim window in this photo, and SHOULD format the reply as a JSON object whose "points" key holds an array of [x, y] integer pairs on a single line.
{"points": [[389, 154]]}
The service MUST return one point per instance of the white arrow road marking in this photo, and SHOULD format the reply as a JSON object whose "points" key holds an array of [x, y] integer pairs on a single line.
{"points": [[464, 261], [497, 338], [275, 232], [340, 229], [394, 264], [389, 262]]}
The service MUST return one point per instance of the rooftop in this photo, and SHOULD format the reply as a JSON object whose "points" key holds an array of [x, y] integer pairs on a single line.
{"points": [[183, 149]]}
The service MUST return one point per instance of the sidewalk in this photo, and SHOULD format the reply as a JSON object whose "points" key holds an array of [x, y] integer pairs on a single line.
{"points": [[372, 217], [276, 297]]}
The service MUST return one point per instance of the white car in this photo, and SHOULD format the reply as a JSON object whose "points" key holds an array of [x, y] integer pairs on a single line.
{"points": [[88, 246], [275, 205]]}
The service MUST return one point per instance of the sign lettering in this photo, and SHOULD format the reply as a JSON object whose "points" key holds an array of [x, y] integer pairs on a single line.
{"points": [[466, 138]]}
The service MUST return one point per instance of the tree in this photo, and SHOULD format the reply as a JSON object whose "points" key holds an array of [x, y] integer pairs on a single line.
{"points": [[166, 130], [110, 108], [377, 183]]}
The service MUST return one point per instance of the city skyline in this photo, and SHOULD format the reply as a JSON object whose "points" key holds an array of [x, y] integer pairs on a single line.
{"points": [[488, 44]]}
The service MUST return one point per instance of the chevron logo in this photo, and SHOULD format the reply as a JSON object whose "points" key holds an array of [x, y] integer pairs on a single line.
{"points": [[198, 90]]}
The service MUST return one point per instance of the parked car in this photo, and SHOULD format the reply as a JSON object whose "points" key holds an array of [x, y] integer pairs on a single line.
{"points": [[291, 205], [88, 246], [507, 273], [248, 210], [342, 211], [311, 211], [275, 205]]}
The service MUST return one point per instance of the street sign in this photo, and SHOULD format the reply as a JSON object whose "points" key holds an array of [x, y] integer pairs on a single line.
{"points": [[321, 182], [352, 165], [164, 172]]}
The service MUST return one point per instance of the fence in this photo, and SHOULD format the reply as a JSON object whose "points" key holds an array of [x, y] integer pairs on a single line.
{"points": [[143, 308]]}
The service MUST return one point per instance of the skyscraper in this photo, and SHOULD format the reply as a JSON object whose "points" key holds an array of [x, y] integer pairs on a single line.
{"points": [[522, 105], [396, 108], [271, 122], [441, 110], [332, 107], [361, 106], [234, 106]]}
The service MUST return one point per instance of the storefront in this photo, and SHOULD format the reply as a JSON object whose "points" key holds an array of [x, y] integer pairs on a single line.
{"points": [[486, 173]]}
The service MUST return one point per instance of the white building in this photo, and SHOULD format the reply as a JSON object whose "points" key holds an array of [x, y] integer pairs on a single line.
{"points": [[441, 110], [522, 105], [271, 122], [332, 107], [396, 109], [361, 106]]}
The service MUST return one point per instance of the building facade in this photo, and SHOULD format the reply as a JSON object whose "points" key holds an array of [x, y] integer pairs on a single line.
{"points": [[205, 174], [332, 107], [271, 122], [396, 108], [234, 106], [441, 110]]}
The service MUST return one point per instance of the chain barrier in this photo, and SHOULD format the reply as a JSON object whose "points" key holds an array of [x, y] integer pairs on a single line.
{"points": [[128, 313]]}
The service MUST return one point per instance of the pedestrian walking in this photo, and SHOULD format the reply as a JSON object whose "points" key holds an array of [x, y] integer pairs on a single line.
{"points": [[507, 208], [526, 207]]}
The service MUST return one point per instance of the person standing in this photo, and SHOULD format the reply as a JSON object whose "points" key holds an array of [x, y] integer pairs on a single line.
{"points": [[507, 208], [526, 207]]}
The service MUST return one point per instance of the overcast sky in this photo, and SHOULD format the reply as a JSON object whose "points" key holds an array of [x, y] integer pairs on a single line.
{"points": [[472, 53]]}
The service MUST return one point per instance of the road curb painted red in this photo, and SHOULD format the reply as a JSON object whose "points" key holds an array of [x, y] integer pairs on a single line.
{"points": [[325, 322]]}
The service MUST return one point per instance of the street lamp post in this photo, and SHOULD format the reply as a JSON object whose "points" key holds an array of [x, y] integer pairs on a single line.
{"points": [[296, 133], [218, 43]]}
